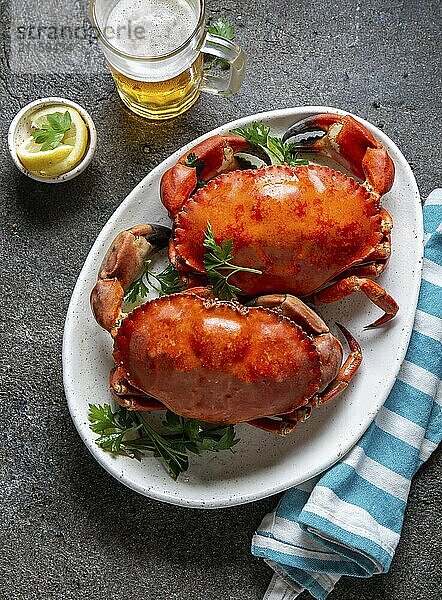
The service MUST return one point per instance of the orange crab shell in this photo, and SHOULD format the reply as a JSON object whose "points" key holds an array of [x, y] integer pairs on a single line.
{"points": [[217, 361], [301, 226]]}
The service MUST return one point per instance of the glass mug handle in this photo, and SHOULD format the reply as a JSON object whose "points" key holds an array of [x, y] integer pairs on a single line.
{"points": [[229, 51]]}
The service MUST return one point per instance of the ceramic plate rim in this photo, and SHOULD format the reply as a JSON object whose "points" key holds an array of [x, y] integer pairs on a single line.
{"points": [[103, 457]]}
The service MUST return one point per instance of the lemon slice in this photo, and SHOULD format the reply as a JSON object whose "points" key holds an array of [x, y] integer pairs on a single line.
{"points": [[76, 139], [48, 163]]}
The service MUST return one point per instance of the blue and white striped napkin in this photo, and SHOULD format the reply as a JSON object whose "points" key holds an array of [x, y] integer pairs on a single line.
{"points": [[348, 520]]}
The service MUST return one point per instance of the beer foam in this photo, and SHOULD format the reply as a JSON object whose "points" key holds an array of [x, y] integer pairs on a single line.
{"points": [[150, 28]]}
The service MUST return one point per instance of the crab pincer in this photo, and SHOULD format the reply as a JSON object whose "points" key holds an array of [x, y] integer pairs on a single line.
{"points": [[122, 264], [202, 163], [350, 144]]}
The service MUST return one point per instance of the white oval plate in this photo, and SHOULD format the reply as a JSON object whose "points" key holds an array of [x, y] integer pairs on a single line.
{"points": [[262, 464]]}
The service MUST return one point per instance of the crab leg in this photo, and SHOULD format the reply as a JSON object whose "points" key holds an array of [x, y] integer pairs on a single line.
{"points": [[382, 251], [346, 372], [123, 263], [288, 422], [293, 308], [345, 287], [372, 270], [282, 428], [328, 347], [350, 144], [143, 403], [128, 396], [377, 261]]}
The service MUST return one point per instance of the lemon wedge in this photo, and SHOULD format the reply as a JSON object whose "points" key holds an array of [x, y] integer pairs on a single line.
{"points": [[48, 163], [63, 158]]}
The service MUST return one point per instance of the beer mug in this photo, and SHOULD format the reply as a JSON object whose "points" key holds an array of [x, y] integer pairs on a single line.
{"points": [[154, 49]]}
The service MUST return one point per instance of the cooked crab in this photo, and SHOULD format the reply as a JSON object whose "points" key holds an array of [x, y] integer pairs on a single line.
{"points": [[267, 364], [313, 231]]}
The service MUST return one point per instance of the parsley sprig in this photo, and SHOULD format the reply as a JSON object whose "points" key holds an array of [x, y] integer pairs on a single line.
{"points": [[51, 133], [278, 151], [193, 160], [138, 288], [219, 267], [113, 429], [128, 433], [221, 27], [168, 279]]}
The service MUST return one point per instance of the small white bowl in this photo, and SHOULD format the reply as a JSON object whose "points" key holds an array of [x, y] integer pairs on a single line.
{"points": [[18, 132]]}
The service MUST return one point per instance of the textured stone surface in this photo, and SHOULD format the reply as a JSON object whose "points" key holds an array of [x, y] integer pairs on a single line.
{"points": [[67, 529]]}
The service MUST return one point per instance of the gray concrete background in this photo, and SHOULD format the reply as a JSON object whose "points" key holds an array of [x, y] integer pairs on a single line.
{"points": [[67, 529]]}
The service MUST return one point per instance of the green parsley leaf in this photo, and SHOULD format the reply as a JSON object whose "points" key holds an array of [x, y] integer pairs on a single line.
{"points": [[169, 283], [137, 290], [192, 429], [117, 429], [219, 267], [278, 151], [256, 133], [193, 160], [173, 455], [113, 427], [221, 27], [169, 280], [227, 440], [51, 133]]}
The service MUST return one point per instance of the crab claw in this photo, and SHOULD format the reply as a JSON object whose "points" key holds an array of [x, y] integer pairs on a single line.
{"points": [[205, 161], [122, 264], [350, 144]]}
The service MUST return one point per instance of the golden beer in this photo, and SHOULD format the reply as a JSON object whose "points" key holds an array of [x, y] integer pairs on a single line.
{"points": [[161, 99], [154, 49]]}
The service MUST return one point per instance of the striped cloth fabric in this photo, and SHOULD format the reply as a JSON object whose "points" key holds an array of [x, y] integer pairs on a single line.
{"points": [[348, 520]]}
